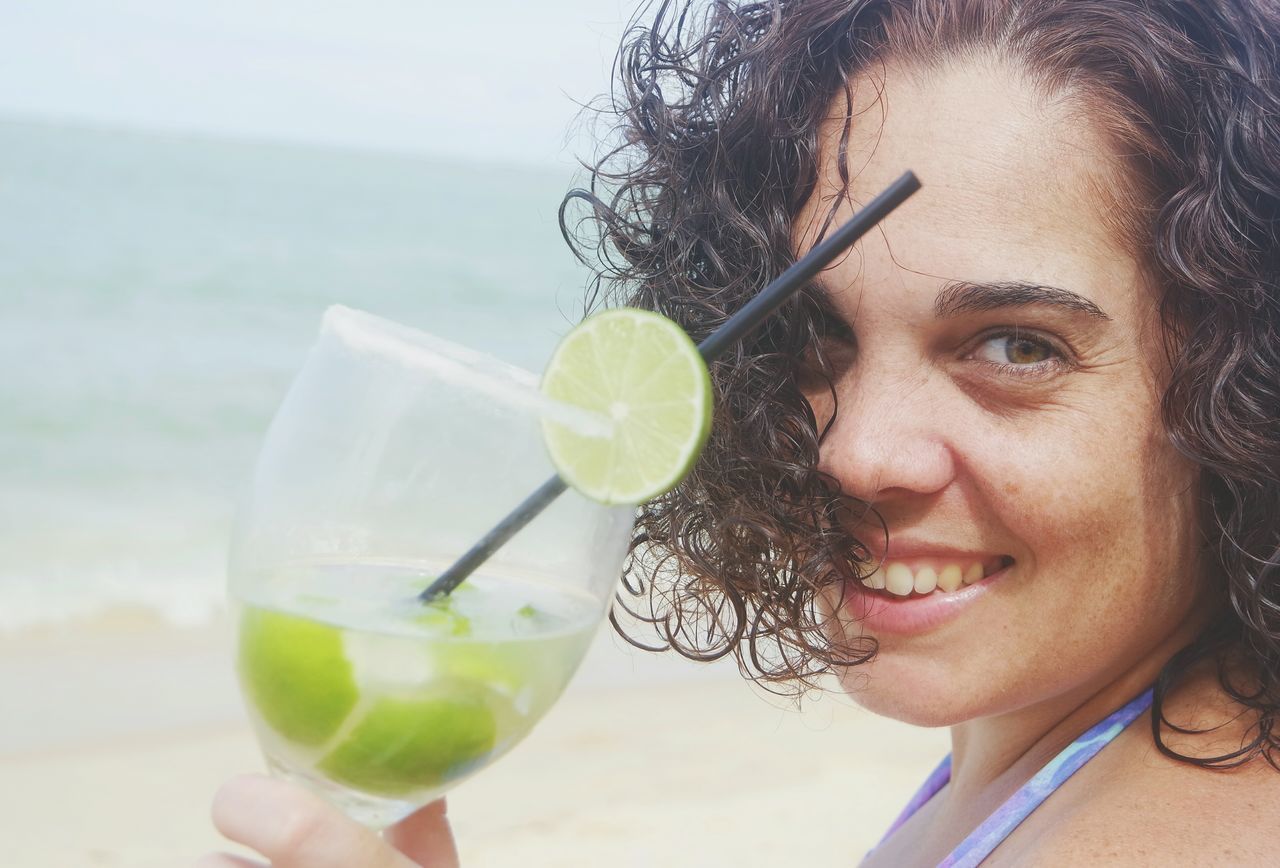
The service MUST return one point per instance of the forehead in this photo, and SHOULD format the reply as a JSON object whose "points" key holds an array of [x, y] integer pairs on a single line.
{"points": [[1013, 182]]}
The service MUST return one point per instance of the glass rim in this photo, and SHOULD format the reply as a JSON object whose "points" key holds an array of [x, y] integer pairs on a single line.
{"points": [[364, 333]]}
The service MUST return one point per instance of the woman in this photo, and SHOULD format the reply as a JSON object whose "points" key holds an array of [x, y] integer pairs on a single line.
{"points": [[1012, 466]]}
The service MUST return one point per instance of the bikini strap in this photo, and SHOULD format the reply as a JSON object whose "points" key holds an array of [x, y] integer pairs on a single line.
{"points": [[978, 846]]}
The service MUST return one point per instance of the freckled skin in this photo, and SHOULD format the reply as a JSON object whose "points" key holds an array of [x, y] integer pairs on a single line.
{"points": [[1071, 475]]}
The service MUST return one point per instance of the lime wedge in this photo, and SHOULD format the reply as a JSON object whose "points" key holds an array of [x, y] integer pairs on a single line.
{"points": [[440, 618], [641, 371], [404, 744], [297, 674]]}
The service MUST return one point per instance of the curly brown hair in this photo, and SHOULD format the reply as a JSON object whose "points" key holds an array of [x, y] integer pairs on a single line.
{"points": [[718, 105]]}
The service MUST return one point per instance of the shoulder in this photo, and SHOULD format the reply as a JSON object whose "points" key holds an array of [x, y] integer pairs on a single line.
{"points": [[1183, 815], [1146, 808]]}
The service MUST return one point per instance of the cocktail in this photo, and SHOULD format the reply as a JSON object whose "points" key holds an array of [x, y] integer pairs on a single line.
{"points": [[400, 626], [392, 453]]}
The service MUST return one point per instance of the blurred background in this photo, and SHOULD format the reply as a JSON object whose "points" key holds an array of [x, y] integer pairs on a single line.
{"points": [[184, 187]]}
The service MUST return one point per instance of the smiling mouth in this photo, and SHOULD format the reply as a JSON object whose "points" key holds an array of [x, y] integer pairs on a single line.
{"points": [[925, 577]]}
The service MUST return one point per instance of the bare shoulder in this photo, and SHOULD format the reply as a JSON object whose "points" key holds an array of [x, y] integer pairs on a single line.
{"points": [[1141, 807], [1173, 815]]}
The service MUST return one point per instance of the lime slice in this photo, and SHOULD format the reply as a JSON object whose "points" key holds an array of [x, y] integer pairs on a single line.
{"points": [[441, 619], [642, 372], [405, 744], [297, 674]]}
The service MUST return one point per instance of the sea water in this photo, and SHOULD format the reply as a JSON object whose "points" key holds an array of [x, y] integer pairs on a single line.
{"points": [[159, 292]]}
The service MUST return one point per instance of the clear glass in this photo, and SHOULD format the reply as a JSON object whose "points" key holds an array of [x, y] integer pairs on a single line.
{"points": [[392, 453]]}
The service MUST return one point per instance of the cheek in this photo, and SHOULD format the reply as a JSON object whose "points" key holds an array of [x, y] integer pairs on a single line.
{"points": [[1057, 497], [1106, 520], [1110, 494], [1100, 519]]}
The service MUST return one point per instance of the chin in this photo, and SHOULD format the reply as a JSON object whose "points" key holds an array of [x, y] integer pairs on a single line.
{"points": [[926, 702]]}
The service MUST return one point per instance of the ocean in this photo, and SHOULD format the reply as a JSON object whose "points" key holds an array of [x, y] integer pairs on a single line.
{"points": [[157, 294]]}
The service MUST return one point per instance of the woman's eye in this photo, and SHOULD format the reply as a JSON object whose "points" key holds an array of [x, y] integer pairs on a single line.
{"points": [[832, 342], [1019, 354]]}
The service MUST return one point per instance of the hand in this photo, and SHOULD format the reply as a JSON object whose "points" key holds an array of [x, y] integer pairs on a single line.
{"points": [[295, 828]]}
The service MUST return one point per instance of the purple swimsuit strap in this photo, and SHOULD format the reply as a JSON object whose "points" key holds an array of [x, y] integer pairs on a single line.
{"points": [[973, 849]]}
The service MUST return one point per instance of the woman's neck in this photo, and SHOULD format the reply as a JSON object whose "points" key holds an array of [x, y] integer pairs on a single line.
{"points": [[992, 756]]}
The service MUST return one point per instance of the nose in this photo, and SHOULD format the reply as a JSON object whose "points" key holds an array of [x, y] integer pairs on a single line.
{"points": [[889, 439]]}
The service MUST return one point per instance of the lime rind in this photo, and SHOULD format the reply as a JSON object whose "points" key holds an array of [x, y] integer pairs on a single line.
{"points": [[641, 370], [403, 744]]}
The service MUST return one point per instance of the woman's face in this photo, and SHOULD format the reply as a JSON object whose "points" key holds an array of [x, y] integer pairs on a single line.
{"points": [[979, 446]]}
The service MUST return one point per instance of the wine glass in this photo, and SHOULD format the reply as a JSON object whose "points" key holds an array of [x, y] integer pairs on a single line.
{"points": [[392, 453]]}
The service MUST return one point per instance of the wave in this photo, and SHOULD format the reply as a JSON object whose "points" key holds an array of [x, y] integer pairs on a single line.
{"points": [[157, 295]]}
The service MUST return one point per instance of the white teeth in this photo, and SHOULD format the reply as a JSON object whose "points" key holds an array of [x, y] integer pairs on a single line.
{"points": [[950, 578], [898, 580], [926, 580]]}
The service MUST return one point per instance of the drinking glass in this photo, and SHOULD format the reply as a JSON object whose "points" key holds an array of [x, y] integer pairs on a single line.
{"points": [[392, 453]]}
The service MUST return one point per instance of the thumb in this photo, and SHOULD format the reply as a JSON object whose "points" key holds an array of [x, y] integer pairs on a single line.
{"points": [[425, 837], [295, 828]]}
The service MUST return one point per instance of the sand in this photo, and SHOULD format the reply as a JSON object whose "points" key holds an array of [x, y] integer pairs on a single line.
{"points": [[115, 739]]}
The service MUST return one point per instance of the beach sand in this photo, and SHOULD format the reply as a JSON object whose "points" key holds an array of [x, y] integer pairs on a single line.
{"points": [[122, 733]]}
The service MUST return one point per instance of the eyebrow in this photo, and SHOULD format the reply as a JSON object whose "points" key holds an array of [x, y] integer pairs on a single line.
{"points": [[958, 297]]}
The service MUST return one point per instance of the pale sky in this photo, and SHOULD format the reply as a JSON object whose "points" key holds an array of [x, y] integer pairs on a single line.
{"points": [[485, 80]]}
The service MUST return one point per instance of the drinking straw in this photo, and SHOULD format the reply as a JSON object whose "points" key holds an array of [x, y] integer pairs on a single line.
{"points": [[752, 314]]}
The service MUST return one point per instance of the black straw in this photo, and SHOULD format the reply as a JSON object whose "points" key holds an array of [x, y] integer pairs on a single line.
{"points": [[752, 314]]}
